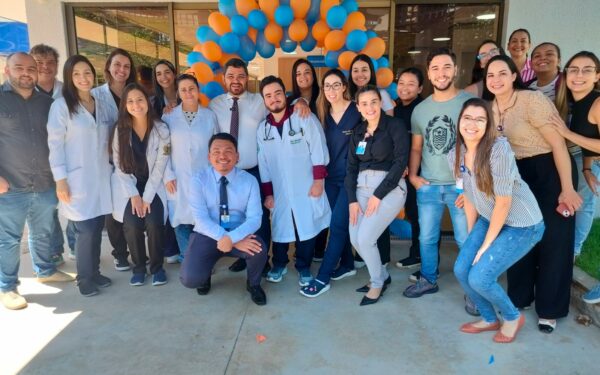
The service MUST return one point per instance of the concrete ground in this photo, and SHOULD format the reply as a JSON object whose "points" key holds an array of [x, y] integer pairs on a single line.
{"points": [[171, 330]]}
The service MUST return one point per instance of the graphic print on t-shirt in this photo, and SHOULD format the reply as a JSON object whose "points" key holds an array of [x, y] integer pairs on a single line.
{"points": [[440, 135]]}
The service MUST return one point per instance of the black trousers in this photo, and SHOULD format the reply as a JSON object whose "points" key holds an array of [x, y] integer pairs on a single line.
{"points": [[202, 255], [134, 228], [116, 237], [412, 213], [321, 243], [88, 241], [544, 275]]}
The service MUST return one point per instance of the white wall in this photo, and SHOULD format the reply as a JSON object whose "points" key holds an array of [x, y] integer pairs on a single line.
{"points": [[573, 25], [14, 10]]}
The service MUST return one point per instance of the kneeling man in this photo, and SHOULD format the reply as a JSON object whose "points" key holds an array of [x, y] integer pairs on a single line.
{"points": [[227, 212]]}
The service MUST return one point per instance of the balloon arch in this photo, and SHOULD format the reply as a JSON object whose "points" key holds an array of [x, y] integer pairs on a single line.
{"points": [[244, 28]]}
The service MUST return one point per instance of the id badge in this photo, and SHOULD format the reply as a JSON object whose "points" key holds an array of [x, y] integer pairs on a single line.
{"points": [[360, 149], [225, 224]]}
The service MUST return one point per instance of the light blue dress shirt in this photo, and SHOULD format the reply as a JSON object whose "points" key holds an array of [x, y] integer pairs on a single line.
{"points": [[244, 204]]}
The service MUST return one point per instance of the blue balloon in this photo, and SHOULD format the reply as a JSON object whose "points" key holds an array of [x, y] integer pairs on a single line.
{"points": [[194, 57], [230, 43], [257, 19], [371, 34], [212, 89], [284, 2], [375, 65], [247, 48], [227, 7], [313, 12], [331, 58], [356, 40], [392, 89], [239, 25], [205, 33], [287, 45], [263, 47], [336, 17], [346, 73], [284, 15], [309, 43], [350, 5], [383, 62]]}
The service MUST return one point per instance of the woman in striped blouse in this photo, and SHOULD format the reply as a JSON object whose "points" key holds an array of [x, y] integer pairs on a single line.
{"points": [[503, 217]]}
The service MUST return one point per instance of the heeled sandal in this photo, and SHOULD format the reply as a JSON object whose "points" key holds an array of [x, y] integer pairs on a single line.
{"points": [[546, 325]]}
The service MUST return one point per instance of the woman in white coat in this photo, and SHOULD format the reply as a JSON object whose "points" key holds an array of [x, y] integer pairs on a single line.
{"points": [[119, 71], [292, 156], [78, 132], [140, 150], [191, 127]]}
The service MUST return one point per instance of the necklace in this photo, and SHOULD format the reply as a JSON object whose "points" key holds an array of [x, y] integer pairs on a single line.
{"points": [[502, 114]]}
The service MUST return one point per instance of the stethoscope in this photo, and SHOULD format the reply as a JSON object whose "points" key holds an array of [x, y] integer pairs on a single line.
{"points": [[291, 132]]}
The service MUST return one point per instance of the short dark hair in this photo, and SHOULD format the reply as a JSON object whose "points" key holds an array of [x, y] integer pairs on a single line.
{"points": [[414, 71], [520, 31], [42, 49], [367, 88], [184, 77], [268, 80], [557, 48], [441, 52], [235, 63], [223, 137], [132, 72]]}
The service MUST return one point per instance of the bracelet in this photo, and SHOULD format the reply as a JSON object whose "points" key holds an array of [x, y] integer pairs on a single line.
{"points": [[586, 169]]}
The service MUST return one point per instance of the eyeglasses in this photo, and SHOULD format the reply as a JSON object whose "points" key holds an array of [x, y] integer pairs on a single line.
{"points": [[335, 87], [585, 71], [491, 53], [480, 121]]}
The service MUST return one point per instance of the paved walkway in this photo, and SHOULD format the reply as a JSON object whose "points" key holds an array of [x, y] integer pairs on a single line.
{"points": [[171, 330]]}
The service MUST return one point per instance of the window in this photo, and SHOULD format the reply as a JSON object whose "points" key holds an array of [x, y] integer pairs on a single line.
{"points": [[421, 28], [142, 31]]}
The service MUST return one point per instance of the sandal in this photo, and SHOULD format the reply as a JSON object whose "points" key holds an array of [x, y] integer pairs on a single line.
{"points": [[314, 289], [546, 325]]}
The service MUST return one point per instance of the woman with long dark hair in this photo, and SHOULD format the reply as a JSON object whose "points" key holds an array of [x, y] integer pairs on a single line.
{"points": [[580, 90], [503, 218], [165, 91], [191, 127], [141, 148], [119, 71], [524, 116], [486, 50], [519, 43], [305, 84], [78, 133], [339, 117]]}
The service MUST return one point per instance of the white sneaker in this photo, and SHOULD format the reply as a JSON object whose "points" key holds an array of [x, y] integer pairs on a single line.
{"points": [[358, 264], [13, 300], [172, 259]]}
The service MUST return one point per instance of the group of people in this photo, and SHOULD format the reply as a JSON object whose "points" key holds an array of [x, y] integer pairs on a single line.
{"points": [[328, 167]]}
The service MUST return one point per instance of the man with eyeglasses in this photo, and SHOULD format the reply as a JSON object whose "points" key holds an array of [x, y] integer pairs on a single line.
{"points": [[433, 136]]}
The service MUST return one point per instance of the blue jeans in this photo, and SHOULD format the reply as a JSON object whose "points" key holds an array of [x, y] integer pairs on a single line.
{"points": [[58, 240], [37, 209], [339, 249], [431, 200], [182, 235], [585, 215], [480, 281]]}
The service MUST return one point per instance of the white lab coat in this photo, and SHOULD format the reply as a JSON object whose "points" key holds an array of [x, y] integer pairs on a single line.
{"points": [[189, 155], [287, 162], [123, 184], [103, 93], [78, 147]]}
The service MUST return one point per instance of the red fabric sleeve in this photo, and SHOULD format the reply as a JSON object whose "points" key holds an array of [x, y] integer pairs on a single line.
{"points": [[267, 188], [319, 172]]}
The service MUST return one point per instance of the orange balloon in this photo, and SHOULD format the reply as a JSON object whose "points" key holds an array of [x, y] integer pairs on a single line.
{"points": [[335, 40], [298, 30], [273, 33], [226, 57], [220, 78], [189, 71], [385, 77], [198, 47], [203, 72], [345, 59], [219, 23], [252, 33], [355, 21], [321, 44], [300, 8], [326, 5], [211, 50], [203, 100], [245, 6], [375, 48], [320, 30], [269, 6]]}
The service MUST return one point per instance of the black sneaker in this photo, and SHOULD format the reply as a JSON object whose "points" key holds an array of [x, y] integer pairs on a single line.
{"points": [[257, 294], [408, 262], [204, 288], [101, 281], [121, 264], [238, 266], [88, 289]]}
